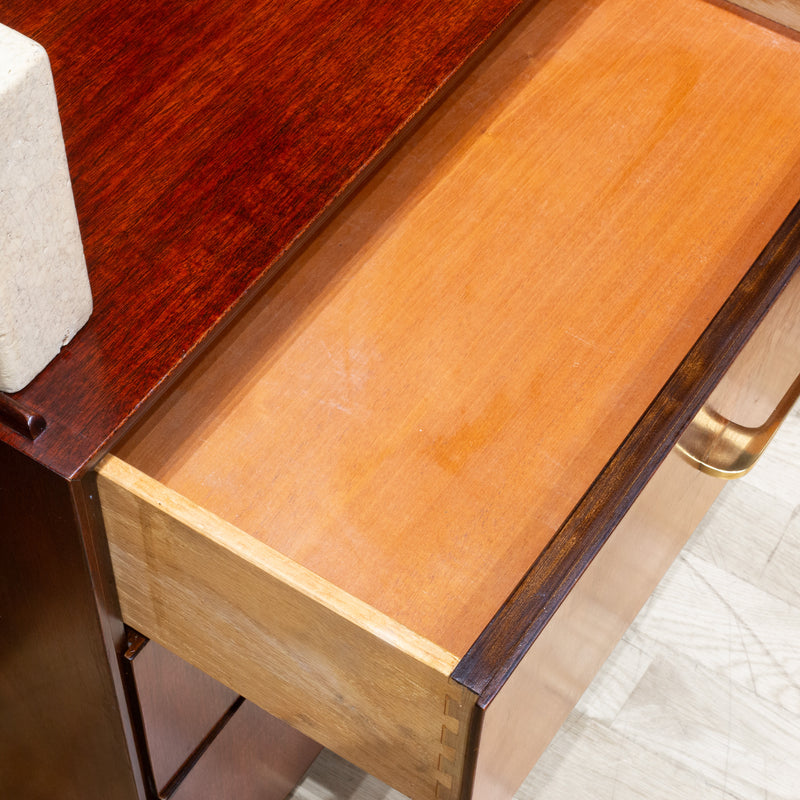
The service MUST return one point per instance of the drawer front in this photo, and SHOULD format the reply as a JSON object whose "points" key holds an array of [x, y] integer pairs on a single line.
{"points": [[530, 708], [524, 716], [322, 661], [179, 705]]}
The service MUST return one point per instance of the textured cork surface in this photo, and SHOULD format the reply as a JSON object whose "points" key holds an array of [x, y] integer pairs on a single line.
{"points": [[45, 296]]}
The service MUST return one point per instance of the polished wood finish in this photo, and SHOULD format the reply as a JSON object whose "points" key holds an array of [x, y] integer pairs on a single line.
{"points": [[700, 698], [179, 705], [326, 663], [206, 141], [202, 152], [61, 729], [418, 390], [440, 422], [177, 243], [20, 418], [254, 757]]}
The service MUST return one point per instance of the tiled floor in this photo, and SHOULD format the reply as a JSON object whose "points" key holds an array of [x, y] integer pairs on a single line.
{"points": [[701, 698]]}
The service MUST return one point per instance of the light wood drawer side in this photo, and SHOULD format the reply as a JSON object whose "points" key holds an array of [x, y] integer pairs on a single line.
{"points": [[308, 653]]}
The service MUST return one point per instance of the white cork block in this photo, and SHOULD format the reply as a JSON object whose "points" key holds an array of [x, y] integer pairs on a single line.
{"points": [[45, 296]]}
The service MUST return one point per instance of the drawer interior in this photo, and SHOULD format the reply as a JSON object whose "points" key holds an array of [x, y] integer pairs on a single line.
{"points": [[414, 406], [397, 426]]}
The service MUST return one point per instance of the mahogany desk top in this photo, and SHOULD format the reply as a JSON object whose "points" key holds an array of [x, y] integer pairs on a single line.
{"points": [[207, 141]]}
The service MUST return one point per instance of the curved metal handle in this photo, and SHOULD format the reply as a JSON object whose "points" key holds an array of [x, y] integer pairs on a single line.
{"points": [[721, 448]]}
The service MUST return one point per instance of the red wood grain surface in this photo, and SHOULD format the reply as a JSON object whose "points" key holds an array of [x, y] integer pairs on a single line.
{"points": [[205, 140]]}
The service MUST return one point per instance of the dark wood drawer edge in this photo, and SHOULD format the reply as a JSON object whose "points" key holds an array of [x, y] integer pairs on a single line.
{"points": [[503, 643]]}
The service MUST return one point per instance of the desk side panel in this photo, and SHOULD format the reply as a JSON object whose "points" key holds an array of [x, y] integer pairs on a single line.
{"points": [[61, 728]]}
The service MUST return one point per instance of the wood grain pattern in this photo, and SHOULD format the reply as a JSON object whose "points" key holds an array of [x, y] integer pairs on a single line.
{"points": [[712, 657], [761, 658], [575, 766], [98, 410], [205, 140], [299, 647], [565, 655], [497, 651], [702, 635], [503, 644], [705, 707], [562, 660], [440, 421]]}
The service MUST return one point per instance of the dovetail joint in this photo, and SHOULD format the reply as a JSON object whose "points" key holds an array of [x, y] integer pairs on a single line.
{"points": [[448, 752]]}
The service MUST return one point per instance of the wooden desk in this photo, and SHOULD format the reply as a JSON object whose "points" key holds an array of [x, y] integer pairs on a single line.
{"points": [[198, 187]]}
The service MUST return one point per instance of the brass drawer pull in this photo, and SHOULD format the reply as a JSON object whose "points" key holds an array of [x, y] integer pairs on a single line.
{"points": [[721, 448]]}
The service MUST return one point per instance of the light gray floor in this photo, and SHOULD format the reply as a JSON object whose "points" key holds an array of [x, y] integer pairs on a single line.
{"points": [[701, 698]]}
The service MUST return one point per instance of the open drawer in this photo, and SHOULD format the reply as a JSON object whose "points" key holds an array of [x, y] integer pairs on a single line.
{"points": [[411, 498]]}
